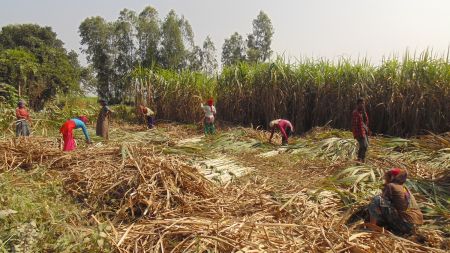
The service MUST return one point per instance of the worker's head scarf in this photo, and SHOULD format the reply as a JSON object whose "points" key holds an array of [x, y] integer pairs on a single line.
{"points": [[273, 123], [397, 175], [103, 102], [21, 104], [84, 119], [210, 102]]}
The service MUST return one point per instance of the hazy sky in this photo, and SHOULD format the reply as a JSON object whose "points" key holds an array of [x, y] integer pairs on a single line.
{"points": [[318, 28]]}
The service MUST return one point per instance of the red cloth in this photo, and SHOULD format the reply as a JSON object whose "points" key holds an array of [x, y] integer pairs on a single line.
{"points": [[22, 113], [395, 171], [210, 102], [84, 119], [67, 131], [357, 124], [282, 125]]}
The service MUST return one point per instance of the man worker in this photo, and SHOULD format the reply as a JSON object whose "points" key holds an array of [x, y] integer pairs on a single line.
{"points": [[360, 129]]}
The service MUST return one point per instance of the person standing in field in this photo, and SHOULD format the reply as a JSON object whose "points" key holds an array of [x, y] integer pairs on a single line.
{"points": [[102, 128], [286, 128], [396, 208], [67, 132], [148, 114], [210, 113], [360, 129], [22, 119]]}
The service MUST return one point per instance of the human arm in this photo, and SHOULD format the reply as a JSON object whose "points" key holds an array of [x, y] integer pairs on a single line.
{"points": [[271, 135], [291, 126], [80, 124], [367, 123], [85, 132]]}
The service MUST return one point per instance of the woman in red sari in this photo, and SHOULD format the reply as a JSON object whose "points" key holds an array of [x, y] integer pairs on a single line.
{"points": [[67, 132]]}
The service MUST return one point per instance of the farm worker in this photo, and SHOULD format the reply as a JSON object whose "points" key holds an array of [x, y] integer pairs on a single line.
{"points": [[148, 114], [102, 127], [285, 127], [67, 131], [23, 117], [360, 129], [210, 113], [396, 208]]}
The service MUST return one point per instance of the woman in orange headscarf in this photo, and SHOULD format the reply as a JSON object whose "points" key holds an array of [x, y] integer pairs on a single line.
{"points": [[396, 208]]}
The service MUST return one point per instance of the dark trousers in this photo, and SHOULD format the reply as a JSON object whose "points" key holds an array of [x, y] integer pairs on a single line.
{"points": [[150, 121], [363, 144]]}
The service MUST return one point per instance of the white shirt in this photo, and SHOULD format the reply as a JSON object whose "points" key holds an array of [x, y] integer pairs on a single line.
{"points": [[209, 110]]}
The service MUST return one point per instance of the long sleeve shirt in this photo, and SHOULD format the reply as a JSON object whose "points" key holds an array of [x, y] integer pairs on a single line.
{"points": [[282, 125], [405, 203], [80, 124], [359, 127], [147, 111], [210, 111], [22, 113]]}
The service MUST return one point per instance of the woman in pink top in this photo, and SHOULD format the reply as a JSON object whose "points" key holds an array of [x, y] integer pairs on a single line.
{"points": [[285, 127]]}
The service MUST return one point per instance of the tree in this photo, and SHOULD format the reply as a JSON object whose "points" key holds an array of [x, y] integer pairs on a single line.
{"points": [[204, 58], [209, 61], [18, 67], [173, 51], [35, 62], [29, 36], [233, 50], [96, 35], [124, 54], [88, 80], [148, 36], [259, 41]]}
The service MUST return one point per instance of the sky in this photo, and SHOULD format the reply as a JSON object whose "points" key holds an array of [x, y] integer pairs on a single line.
{"points": [[303, 28]]}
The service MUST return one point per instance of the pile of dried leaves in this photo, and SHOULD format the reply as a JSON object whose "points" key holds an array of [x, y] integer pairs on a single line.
{"points": [[159, 203]]}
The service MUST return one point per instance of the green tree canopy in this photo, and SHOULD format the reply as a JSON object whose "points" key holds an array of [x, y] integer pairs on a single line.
{"points": [[260, 40], [233, 50], [34, 61]]}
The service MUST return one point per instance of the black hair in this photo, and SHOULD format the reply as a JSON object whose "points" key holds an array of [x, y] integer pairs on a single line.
{"points": [[359, 100]]}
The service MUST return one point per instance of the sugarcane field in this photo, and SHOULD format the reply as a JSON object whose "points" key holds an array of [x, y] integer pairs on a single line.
{"points": [[121, 131]]}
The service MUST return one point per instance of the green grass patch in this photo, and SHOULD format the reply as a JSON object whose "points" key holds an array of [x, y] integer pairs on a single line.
{"points": [[36, 215]]}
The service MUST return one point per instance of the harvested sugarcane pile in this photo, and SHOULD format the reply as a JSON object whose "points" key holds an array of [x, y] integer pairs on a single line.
{"points": [[25, 152], [156, 202]]}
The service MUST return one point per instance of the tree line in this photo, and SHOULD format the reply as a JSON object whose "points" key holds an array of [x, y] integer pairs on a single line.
{"points": [[35, 66], [114, 49]]}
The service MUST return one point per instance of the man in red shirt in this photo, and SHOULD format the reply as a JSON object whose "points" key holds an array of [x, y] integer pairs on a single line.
{"points": [[360, 128]]}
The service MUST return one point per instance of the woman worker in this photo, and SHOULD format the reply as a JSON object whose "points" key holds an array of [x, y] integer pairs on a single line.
{"points": [[67, 132], [285, 127], [210, 112], [22, 119], [396, 208]]}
